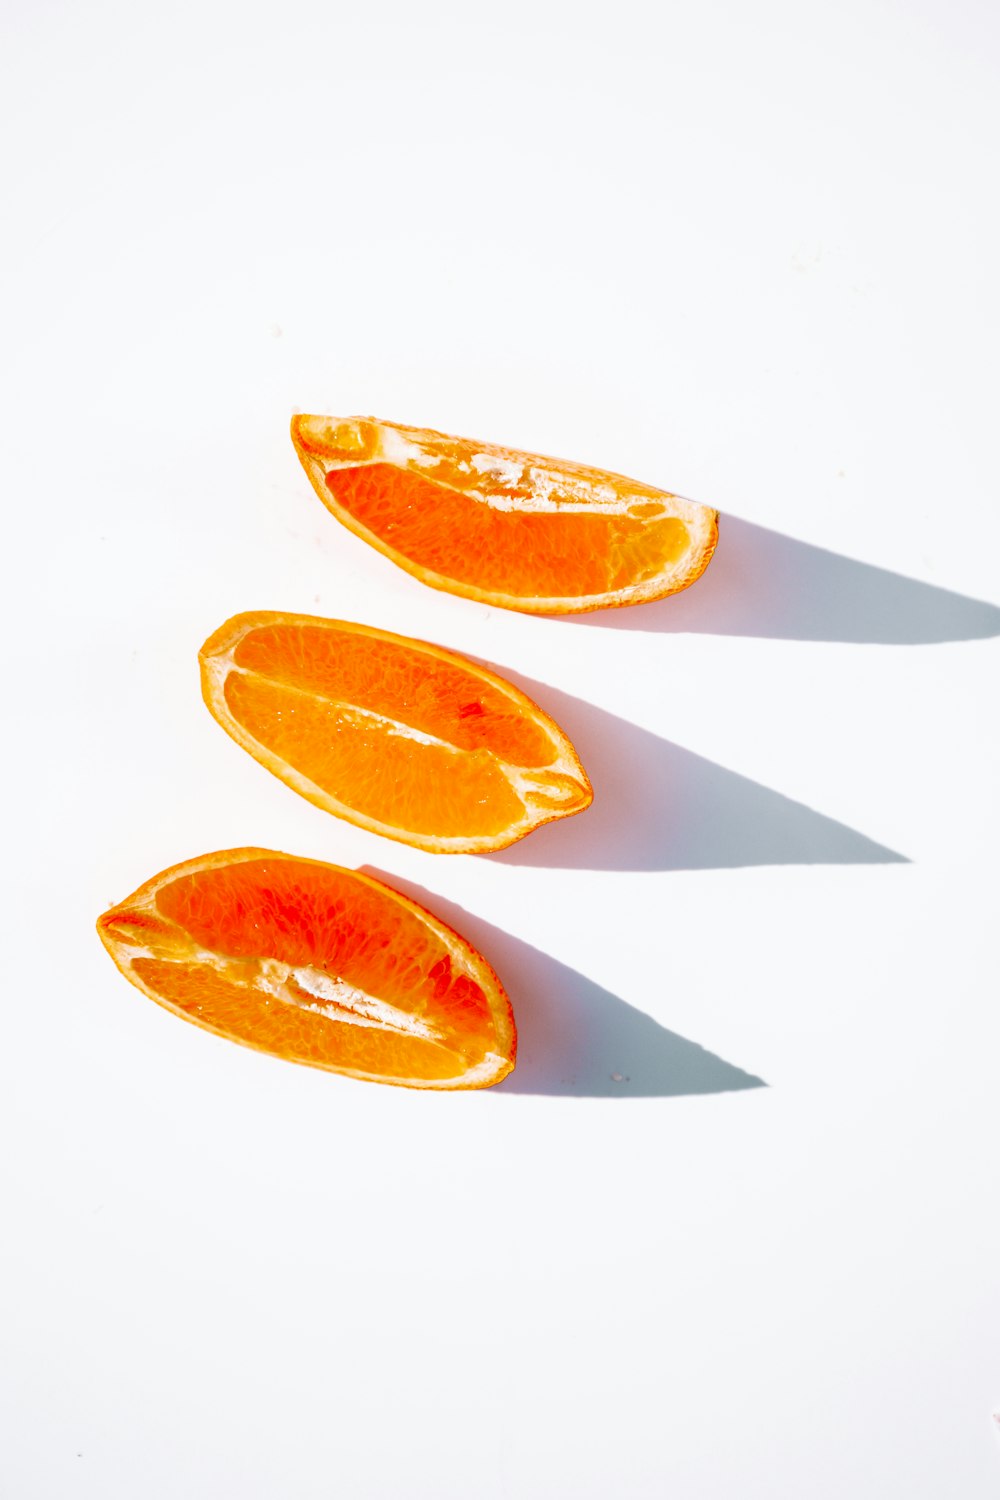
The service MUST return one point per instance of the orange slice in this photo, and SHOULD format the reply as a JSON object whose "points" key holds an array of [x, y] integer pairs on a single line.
{"points": [[318, 965], [514, 529], [398, 736]]}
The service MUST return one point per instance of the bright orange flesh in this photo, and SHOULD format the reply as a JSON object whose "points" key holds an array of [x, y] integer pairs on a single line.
{"points": [[505, 527], [395, 735], [518, 553], [317, 965]]}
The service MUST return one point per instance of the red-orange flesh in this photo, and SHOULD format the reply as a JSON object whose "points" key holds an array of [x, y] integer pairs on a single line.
{"points": [[318, 965], [517, 529]]}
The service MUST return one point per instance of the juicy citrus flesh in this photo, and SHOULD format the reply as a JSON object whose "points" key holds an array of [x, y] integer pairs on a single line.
{"points": [[519, 530], [318, 965], [397, 736]]}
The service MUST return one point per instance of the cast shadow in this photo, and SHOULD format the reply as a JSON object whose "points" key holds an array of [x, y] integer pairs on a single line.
{"points": [[761, 583], [659, 807], [574, 1037]]}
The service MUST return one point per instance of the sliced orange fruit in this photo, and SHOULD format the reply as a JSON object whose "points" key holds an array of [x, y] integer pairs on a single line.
{"points": [[318, 965], [515, 529], [398, 736]]}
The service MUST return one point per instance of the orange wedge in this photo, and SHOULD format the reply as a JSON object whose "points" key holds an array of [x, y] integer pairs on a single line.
{"points": [[515, 529], [317, 965], [398, 736]]}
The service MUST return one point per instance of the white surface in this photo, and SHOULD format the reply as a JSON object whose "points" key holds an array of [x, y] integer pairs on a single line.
{"points": [[748, 253]]}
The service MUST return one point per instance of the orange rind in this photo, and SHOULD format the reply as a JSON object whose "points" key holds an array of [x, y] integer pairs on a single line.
{"points": [[318, 965], [397, 736], [518, 530]]}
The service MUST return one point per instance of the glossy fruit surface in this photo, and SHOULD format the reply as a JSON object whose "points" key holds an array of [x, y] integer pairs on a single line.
{"points": [[514, 529], [317, 965], [395, 735]]}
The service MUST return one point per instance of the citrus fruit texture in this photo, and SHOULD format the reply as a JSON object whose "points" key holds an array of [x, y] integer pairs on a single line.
{"points": [[318, 965], [514, 529], [395, 735]]}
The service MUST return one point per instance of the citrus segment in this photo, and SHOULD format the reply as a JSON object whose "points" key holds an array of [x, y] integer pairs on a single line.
{"points": [[454, 795], [518, 553], [318, 965], [395, 678], [395, 735], [505, 527]]}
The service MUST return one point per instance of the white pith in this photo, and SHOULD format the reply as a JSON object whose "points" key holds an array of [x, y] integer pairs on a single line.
{"points": [[330, 996], [551, 489], [541, 790]]}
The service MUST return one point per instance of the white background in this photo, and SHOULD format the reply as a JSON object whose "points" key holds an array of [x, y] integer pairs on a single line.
{"points": [[748, 253]]}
